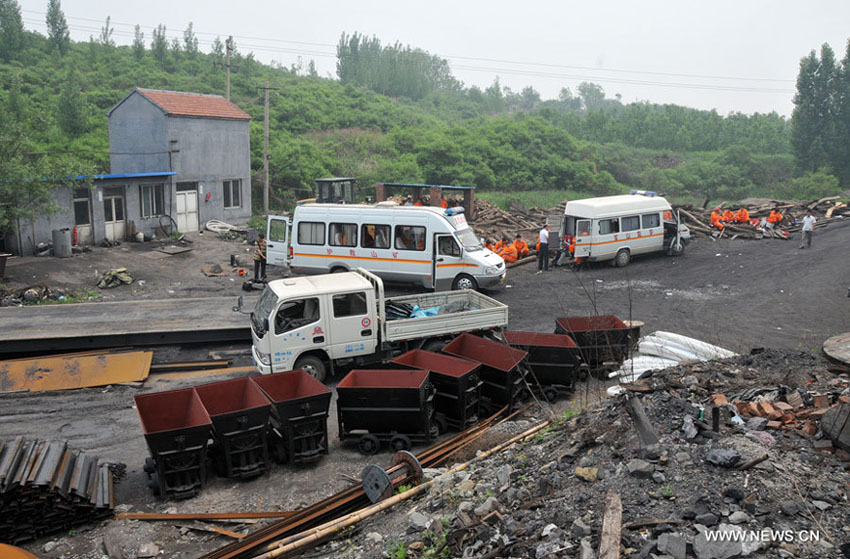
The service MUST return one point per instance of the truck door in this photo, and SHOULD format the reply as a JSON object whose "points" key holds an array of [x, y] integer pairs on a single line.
{"points": [[448, 262], [299, 325], [354, 331], [583, 238], [277, 240]]}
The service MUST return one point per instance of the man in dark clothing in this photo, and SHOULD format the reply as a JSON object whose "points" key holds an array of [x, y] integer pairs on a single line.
{"points": [[260, 258], [543, 251]]}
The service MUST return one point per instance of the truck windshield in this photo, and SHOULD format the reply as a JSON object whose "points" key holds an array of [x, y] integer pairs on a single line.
{"points": [[469, 239], [262, 310]]}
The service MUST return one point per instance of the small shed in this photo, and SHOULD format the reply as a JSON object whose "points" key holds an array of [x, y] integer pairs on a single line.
{"points": [[435, 191]]}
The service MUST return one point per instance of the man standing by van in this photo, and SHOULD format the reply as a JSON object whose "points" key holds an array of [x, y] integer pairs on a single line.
{"points": [[260, 258], [808, 229], [543, 252]]}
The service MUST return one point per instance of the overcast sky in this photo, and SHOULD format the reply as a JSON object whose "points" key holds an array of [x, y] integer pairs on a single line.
{"points": [[729, 55]]}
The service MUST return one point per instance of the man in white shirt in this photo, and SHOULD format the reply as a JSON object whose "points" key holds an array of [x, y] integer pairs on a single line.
{"points": [[543, 253], [808, 229]]}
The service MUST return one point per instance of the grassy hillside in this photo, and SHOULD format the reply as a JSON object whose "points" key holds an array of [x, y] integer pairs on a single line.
{"points": [[499, 141]]}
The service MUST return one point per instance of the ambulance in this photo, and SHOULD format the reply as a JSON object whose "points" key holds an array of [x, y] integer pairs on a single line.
{"points": [[433, 247]]}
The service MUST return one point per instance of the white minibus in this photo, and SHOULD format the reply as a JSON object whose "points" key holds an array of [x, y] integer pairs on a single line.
{"points": [[434, 247]]}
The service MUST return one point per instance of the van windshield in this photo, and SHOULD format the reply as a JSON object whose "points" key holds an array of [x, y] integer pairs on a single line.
{"points": [[262, 310], [469, 239]]}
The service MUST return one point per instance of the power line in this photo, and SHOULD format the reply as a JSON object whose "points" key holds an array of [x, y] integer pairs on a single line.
{"points": [[461, 57]]}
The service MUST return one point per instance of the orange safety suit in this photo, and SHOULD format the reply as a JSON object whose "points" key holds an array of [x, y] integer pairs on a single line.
{"points": [[728, 216], [418, 203], [715, 220], [509, 253], [444, 204], [774, 217], [497, 247], [521, 248], [537, 246], [743, 216]]}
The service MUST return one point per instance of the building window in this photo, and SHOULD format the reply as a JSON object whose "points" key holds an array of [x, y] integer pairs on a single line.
{"points": [[82, 211], [409, 237], [233, 193], [342, 235], [311, 233], [152, 199]]}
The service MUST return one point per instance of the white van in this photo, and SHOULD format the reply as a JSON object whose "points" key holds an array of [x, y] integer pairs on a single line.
{"points": [[433, 247], [619, 227]]}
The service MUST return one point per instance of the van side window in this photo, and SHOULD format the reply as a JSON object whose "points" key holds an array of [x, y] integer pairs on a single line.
{"points": [[311, 233], [630, 223], [447, 246], [342, 235], [409, 237], [375, 236], [349, 304], [295, 314], [608, 226], [650, 221]]}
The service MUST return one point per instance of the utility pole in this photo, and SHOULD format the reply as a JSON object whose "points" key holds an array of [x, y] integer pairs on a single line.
{"points": [[228, 48], [266, 149]]}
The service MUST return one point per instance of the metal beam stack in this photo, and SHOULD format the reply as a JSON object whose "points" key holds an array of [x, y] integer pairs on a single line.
{"points": [[46, 486]]}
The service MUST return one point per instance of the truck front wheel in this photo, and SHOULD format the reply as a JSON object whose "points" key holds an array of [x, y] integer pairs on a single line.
{"points": [[464, 281], [622, 258], [313, 365]]}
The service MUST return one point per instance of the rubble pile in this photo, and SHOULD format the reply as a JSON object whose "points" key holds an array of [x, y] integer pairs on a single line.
{"points": [[826, 210], [779, 488]]}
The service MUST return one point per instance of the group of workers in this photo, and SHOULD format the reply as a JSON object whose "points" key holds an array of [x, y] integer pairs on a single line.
{"points": [[421, 202], [510, 251], [721, 218]]}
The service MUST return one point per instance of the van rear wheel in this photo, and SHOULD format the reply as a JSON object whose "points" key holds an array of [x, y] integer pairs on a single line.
{"points": [[314, 366], [464, 281], [622, 258]]}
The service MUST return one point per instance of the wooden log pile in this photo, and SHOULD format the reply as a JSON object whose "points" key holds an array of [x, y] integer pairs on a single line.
{"points": [[492, 222], [826, 210]]}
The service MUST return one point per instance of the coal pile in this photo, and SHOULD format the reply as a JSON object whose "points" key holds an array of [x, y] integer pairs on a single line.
{"points": [[776, 491], [46, 487]]}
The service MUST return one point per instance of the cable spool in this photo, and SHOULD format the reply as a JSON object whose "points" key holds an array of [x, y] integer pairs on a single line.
{"points": [[378, 483]]}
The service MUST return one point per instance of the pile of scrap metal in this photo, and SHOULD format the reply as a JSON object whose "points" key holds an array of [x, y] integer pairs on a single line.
{"points": [[46, 486], [114, 278]]}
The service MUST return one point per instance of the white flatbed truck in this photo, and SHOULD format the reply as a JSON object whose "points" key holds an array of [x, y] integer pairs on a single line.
{"points": [[340, 321]]}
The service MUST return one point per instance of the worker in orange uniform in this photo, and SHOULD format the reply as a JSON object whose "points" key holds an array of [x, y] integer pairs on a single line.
{"points": [[521, 246], [497, 248], [509, 253], [774, 217], [716, 218], [728, 216], [743, 216], [488, 244], [443, 203], [419, 202]]}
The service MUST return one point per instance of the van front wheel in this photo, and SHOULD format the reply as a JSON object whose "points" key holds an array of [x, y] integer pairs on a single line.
{"points": [[622, 258], [314, 366], [464, 281]]}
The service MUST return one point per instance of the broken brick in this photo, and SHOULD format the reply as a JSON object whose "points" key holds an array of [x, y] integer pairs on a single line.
{"points": [[817, 414], [776, 415], [774, 424], [788, 418], [753, 409], [741, 406], [765, 409], [782, 406], [821, 400], [719, 400], [823, 445], [794, 399], [809, 428]]}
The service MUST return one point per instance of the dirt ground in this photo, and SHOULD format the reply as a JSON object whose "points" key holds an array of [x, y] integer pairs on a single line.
{"points": [[739, 294]]}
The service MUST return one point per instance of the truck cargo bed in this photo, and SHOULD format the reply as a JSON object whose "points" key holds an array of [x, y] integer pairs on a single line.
{"points": [[482, 313]]}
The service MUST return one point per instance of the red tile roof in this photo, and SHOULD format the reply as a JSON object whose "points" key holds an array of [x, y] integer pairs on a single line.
{"points": [[194, 104]]}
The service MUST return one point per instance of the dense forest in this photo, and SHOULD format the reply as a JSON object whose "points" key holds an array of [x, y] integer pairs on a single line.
{"points": [[395, 113]]}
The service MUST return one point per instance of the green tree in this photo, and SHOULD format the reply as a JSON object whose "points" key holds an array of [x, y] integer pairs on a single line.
{"points": [[106, 34], [71, 109], [11, 29], [190, 42], [812, 121], [840, 152], [15, 104], [28, 181], [159, 45], [217, 51], [57, 27], [175, 52], [592, 96], [138, 43]]}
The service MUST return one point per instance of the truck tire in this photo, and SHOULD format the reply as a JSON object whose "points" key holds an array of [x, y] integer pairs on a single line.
{"points": [[338, 270], [313, 365], [434, 346], [464, 281], [622, 258], [677, 250]]}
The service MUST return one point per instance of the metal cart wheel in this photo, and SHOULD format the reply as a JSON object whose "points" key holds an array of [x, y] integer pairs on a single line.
{"points": [[400, 442], [368, 444]]}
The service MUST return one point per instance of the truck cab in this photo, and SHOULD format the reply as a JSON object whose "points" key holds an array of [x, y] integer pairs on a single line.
{"points": [[298, 323]]}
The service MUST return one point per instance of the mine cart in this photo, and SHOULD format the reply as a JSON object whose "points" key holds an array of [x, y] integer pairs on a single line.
{"points": [[600, 339], [177, 429], [240, 417], [457, 384], [299, 416], [502, 371], [553, 358], [386, 405]]}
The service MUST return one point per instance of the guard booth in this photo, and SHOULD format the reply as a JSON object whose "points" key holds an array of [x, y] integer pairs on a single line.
{"points": [[383, 190]]}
